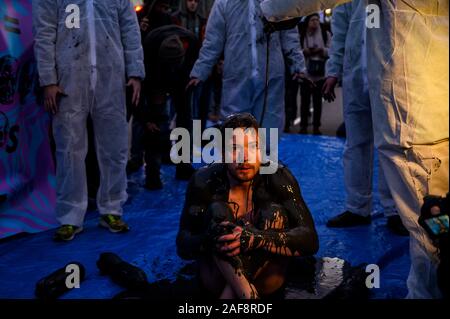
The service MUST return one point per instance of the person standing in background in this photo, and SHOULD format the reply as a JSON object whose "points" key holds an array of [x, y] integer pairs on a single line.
{"points": [[408, 78], [235, 28], [84, 72], [315, 42], [348, 62]]}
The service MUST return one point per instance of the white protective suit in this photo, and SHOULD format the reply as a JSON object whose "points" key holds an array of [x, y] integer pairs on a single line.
{"points": [[235, 28], [407, 59], [348, 62], [90, 64]]}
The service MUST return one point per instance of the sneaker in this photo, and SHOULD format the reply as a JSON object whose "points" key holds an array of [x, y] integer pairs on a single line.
{"points": [[114, 223], [395, 225], [348, 219], [184, 171], [153, 183], [67, 232]]}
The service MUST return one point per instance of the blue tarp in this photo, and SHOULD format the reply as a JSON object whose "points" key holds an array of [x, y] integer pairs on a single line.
{"points": [[316, 161]]}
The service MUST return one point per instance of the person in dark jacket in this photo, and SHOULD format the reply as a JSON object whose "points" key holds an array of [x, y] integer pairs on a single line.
{"points": [[169, 53]]}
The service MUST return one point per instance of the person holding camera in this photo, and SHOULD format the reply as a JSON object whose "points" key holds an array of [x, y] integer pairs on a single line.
{"points": [[243, 226]]}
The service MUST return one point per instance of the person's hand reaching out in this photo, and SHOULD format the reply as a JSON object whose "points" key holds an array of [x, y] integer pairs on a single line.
{"points": [[135, 83]]}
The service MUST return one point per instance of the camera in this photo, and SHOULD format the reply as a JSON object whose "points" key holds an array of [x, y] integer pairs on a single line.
{"points": [[436, 225]]}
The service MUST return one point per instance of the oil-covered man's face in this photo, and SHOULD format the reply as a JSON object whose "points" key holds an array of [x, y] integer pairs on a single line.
{"points": [[192, 5], [245, 154]]}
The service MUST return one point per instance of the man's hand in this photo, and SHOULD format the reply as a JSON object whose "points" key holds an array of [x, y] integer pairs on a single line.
{"points": [[328, 88], [135, 83], [193, 82], [317, 50], [230, 244], [302, 78], [51, 93], [152, 127], [307, 52]]}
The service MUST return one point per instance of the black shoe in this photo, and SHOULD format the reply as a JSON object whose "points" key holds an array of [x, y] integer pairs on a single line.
{"points": [[316, 131], [348, 219], [153, 182], [395, 225], [303, 130], [133, 166], [184, 171]]}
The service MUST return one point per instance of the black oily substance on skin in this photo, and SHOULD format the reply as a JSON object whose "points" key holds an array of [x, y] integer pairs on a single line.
{"points": [[283, 224]]}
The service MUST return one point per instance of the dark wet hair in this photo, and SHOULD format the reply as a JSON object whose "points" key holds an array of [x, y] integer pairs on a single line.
{"points": [[236, 120]]}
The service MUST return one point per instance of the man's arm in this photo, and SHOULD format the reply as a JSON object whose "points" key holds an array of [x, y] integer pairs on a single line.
{"points": [[45, 24], [301, 238], [340, 23], [131, 41], [277, 10], [191, 244], [290, 44], [214, 43]]}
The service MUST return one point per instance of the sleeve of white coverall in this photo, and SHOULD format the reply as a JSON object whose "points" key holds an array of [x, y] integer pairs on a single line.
{"points": [[339, 26], [213, 44], [131, 40], [277, 10], [45, 24], [290, 43]]}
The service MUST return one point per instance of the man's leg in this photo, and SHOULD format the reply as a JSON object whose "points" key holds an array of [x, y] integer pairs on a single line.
{"points": [[394, 222], [137, 149], [317, 105], [411, 174], [111, 141], [183, 109], [358, 165], [305, 101], [271, 275], [70, 135]]}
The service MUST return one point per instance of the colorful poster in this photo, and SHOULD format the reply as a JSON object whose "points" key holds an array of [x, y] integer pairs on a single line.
{"points": [[27, 181]]}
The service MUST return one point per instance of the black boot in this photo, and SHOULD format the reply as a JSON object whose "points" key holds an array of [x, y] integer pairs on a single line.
{"points": [[133, 166], [395, 225], [184, 171], [348, 219], [153, 181]]}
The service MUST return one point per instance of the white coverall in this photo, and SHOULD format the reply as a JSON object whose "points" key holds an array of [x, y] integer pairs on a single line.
{"points": [[235, 28], [348, 62], [90, 63], [407, 59]]}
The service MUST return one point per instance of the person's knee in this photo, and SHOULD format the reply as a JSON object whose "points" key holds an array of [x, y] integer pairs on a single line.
{"points": [[211, 277]]}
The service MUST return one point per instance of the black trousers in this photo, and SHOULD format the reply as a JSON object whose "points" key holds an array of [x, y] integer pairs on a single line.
{"points": [[290, 100], [306, 93], [155, 143]]}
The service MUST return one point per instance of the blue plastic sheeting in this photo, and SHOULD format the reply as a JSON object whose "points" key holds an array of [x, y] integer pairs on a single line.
{"points": [[154, 216]]}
